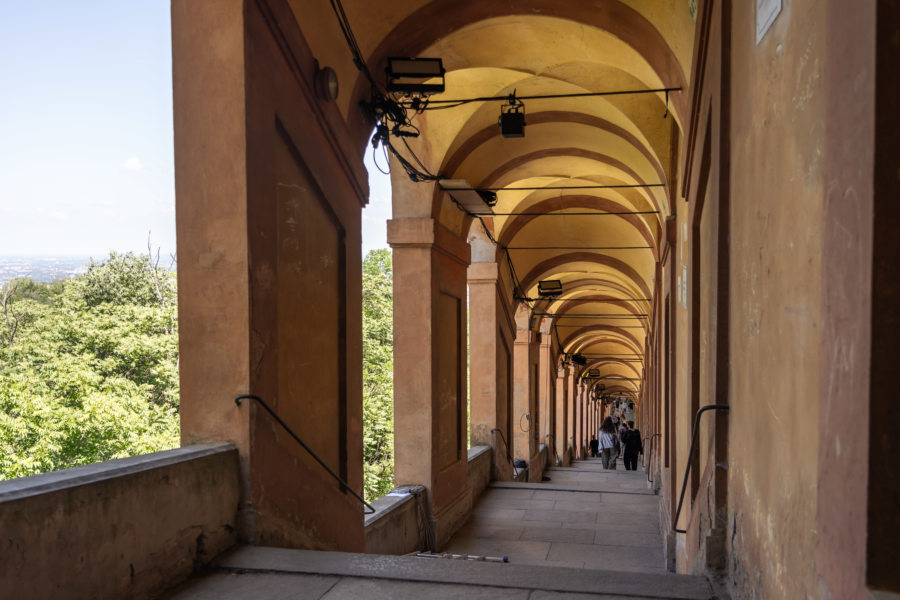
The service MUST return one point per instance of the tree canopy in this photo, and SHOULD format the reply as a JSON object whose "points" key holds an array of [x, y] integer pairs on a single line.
{"points": [[378, 373], [89, 370]]}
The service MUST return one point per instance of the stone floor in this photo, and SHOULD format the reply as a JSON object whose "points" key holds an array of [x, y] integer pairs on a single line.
{"points": [[587, 533], [585, 517]]}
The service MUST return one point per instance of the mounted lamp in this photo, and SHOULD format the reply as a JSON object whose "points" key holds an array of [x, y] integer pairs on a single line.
{"points": [[512, 118], [549, 288], [415, 76]]}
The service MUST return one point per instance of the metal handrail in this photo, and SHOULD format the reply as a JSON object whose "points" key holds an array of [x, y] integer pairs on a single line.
{"points": [[650, 455], [687, 470], [278, 420], [508, 456]]}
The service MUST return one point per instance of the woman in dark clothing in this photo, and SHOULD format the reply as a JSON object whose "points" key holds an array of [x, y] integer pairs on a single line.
{"points": [[631, 439]]}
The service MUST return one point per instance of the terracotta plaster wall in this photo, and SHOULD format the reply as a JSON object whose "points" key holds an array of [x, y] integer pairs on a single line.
{"points": [[777, 149]]}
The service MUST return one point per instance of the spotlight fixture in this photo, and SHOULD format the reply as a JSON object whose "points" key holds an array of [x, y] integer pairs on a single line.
{"points": [[579, 360], [512, 118], [474, 201], [489, 197], [415, 76], [593, 372], [549, 288]]}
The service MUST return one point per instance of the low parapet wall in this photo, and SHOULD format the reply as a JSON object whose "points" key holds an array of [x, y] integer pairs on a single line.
{"points": [[126, 528], [478, 475], [396, 526]]}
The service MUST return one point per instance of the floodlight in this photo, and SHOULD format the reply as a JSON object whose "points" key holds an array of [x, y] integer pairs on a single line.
{"points": [[594, 373], [512, 118], [489, 197], [579, 360], [476, 202], [549, 288], [415, 76]]}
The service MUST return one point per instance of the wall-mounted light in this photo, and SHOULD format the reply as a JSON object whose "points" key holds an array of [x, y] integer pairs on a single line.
{"points": [[549, 288], [415, 76], [593, 372], [326, 83], [512, 118], [579, 360]]}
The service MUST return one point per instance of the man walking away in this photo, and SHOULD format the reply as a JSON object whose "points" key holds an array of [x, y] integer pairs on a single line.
{"points": [[631, 439]]}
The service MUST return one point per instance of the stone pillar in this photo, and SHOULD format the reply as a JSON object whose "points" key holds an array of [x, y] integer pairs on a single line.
{"points": [[545, 389], [268, 211], [522, 400], [577, 414], [490, 361], [560, 434], [590, 422], [526, 412], [571, 395], [582, 418], [430, 366]]}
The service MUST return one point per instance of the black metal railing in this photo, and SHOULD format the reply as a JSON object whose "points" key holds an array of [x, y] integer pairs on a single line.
{"points": [[278, 420], [508, 454], [687, 470]]}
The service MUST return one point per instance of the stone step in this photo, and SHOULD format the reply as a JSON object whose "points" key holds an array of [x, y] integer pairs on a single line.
{"points": [[271, 573]]}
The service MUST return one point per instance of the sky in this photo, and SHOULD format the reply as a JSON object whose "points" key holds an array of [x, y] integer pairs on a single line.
{"points": [[86, 150]]}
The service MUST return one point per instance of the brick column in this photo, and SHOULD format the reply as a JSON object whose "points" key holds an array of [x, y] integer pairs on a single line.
{"points": [[430, 367], [546, 405], [571, 395], [268, 212], [559, 433], [490, 364]]}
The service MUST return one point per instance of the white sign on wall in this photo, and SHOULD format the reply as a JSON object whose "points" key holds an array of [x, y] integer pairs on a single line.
{"points": [[766, 11]]}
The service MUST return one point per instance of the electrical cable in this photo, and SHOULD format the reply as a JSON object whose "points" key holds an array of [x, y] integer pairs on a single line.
{"points": [[527, 417], [566, 187], [375, 161], [575, 214], [579, 247], [344, 24], [506, 98]]}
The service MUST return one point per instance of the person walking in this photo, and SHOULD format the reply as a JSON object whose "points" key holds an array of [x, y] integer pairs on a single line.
{"points": [[607, 441], [633, 445], [595, 447], [623, 427]]}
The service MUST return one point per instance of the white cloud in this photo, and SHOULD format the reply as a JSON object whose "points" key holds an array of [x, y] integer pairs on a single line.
{"points": [[133, 164]]}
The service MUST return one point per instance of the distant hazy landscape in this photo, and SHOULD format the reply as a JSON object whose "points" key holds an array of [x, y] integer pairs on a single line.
{"points": [[44, 269]]}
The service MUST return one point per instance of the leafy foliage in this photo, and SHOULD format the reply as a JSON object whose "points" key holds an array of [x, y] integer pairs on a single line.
{"points": [[92, 371], [378, 373]]}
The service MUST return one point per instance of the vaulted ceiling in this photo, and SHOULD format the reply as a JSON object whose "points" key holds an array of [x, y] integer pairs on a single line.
{"points": [[603, 243]]}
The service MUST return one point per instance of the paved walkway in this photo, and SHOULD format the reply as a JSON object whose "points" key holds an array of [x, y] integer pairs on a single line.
{"points": [[585, 517], [588, 533]]}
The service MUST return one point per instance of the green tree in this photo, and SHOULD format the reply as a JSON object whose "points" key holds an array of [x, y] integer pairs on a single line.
{"points": [[92, 371], [378, 373]]}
